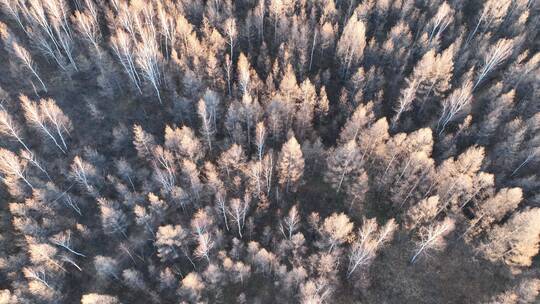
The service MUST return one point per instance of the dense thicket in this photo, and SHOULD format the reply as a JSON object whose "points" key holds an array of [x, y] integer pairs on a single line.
{"points": [[269, 151]]}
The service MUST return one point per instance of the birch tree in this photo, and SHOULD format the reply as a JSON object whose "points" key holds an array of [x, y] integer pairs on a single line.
{"points": [[9, 128], [431, 238], [207, 126], [148, 58], [123, 48], [442, 19], [494, 57], [87, 24], [57, 119], [12, 166], [369, 239], [492, 14], [290, 223], [231, 33], [37, 119], [26, 60], [351, 44], [454, 106], [237, 211]]}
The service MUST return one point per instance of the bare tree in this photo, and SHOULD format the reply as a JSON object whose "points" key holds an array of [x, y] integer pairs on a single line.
{"points": [[205, 245], [442, 19], [492, 13], [148, 58], [207, 127], [26, 59], [454, 105], [290, 223], [231, 33], [9, 128], [495, 56], [369, 240], [123, 48], [237, 211], [352, 42], [54, 116], [431, 238], [11, 165], [63, 239], [37, 119], [83, 173], [260, 138], [87, 24]]}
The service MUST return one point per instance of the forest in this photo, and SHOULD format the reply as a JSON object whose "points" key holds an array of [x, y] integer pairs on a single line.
{"points": [[269, 151]]}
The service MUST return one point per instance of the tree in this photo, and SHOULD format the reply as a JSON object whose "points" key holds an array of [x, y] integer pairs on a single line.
{"points": [[94, 298], [362, 118], [290, 223], [207, 127], [183, 142], [336, 230], [368, 241], [56, 118], [190, 175], [497, 54], [525, 291], [343, 165], [36, 118], [113, 219], [244, 73], [83, 173], [133, 279], [12, 166], [291, 165], [106, 267], [516, 242], [191, 286], [144, 142], [10, 128], [231, 33], [494, 209], [422, 213], [87, 24], [122, 46], [168, 238], [351, 44], [454, 106], [238, 210], [148, 57], [26, 60], [431, 238]]}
